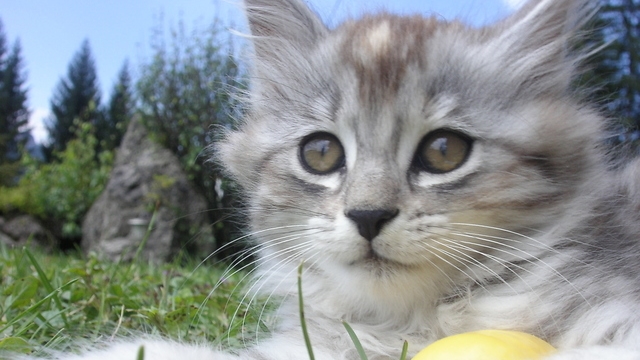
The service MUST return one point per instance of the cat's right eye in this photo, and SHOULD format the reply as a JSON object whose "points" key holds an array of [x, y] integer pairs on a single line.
{"points": [[321, 153]]}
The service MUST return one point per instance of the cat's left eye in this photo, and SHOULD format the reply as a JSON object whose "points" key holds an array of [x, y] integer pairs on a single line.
{"points": [[321, 153], [442, 151]]}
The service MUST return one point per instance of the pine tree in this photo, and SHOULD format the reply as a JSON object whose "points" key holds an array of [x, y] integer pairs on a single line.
{"points": [[14, 114], [13, 97], [3, 51], [111, 126], [77, 98], [615, 70]]}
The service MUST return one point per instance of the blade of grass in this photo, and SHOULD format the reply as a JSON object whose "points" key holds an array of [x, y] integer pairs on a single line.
{"points": [[53, 339], [35, 306], [405, 348], [29, 321], [264, 326], [303, 322], [113, 336], [140, 353], [47, 285], [143, 243], [356, 341]]}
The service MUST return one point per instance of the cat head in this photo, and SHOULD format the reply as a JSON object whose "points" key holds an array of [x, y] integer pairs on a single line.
{"points": [[393, 145]]}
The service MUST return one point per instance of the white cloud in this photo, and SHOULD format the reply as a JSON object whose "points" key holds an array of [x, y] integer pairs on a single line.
{"points": [[36, 123], [514, 4]]}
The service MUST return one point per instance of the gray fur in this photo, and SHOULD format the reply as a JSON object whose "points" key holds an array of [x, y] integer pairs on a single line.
{"points": [[537, 233]]}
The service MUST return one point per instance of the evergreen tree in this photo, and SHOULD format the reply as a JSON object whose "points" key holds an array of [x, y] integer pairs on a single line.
{"points": [[77, 98], [111, 126], [14, 114], [615, 70], [3, 53]]}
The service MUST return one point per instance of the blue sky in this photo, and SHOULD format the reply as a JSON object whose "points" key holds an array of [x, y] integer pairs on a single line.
{"points": [[51, 31]]}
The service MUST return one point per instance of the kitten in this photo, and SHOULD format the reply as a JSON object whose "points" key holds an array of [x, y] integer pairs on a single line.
{"points": [[434, 179]]}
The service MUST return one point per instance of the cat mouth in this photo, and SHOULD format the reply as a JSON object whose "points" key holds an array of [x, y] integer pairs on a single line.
{"points": [[373, 260]]}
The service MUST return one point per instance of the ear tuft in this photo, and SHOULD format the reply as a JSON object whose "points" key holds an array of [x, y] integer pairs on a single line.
{"points": [[538, 41], [290, 22]]}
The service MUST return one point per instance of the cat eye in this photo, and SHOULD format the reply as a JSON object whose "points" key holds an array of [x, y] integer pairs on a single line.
{"points": [[321, 153], [442, 151]]}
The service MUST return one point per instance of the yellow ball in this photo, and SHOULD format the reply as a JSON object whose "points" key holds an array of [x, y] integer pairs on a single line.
{"points": [[487, 345]]}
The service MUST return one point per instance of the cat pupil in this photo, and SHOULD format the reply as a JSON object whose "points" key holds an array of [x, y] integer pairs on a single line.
{"points": [[321, 146]]}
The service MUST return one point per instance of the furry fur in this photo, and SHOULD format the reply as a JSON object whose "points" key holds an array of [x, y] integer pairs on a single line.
{"points": [[531, 232]]}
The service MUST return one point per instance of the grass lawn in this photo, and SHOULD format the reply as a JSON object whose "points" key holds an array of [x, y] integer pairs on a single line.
{"points": [[52, 299]]}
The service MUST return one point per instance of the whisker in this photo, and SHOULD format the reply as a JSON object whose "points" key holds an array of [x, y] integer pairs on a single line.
{"points": [[241, 238], [537, 261], [293, 288], [471, 260], [232, 270], [271, 271], [454, 243], [431, 249], [273, 242]]}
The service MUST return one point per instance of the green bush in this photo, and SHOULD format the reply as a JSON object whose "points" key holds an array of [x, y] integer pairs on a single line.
{"points": [[63, 190], [187, 92], [9, 171]]}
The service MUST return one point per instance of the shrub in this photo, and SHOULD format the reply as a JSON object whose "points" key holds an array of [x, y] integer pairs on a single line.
{"points": [[62, 191]]}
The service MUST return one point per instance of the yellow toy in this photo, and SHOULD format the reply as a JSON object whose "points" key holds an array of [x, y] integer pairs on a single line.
{"points": [[487, 345]]}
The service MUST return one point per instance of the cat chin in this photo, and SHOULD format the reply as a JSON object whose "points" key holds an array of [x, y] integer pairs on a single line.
{"points": [[389, 292], [375, 272]]}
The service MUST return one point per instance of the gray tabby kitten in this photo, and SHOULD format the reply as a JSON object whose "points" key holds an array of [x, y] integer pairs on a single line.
{"points": [[435, 179]]}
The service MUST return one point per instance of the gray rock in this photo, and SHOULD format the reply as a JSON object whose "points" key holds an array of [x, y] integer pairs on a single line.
{"points": [[147, 179], [7, 240], [26, 230]]}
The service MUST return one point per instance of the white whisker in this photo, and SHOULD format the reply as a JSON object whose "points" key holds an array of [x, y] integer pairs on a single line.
{"points": [[536, 260]]}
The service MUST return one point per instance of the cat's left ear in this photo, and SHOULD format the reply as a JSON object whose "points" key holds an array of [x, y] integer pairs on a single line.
{"points": [[537, 42]]}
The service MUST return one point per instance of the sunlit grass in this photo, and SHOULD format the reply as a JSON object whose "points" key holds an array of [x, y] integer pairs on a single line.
{"points": [[50, 300]]}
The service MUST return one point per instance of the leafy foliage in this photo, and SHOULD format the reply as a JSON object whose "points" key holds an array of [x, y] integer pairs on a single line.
{"points": [[61, 191], [185, 94], [51, 299]]}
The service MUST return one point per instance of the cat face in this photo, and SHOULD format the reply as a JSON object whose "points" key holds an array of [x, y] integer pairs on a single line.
{"points": [[396, 145]]}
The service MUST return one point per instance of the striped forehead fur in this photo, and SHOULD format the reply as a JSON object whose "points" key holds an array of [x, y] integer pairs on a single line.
{"points": [[381, 47]]}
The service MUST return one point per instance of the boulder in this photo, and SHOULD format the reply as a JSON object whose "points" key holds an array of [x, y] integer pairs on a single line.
{"points": [[7, 240], [25, 230], [147, 182]]}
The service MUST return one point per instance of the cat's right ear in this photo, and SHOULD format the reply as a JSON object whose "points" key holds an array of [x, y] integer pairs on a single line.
{"points": [[280, 24]]}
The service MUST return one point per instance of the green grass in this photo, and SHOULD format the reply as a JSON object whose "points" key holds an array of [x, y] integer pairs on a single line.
{"points": [[49, 300]]}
